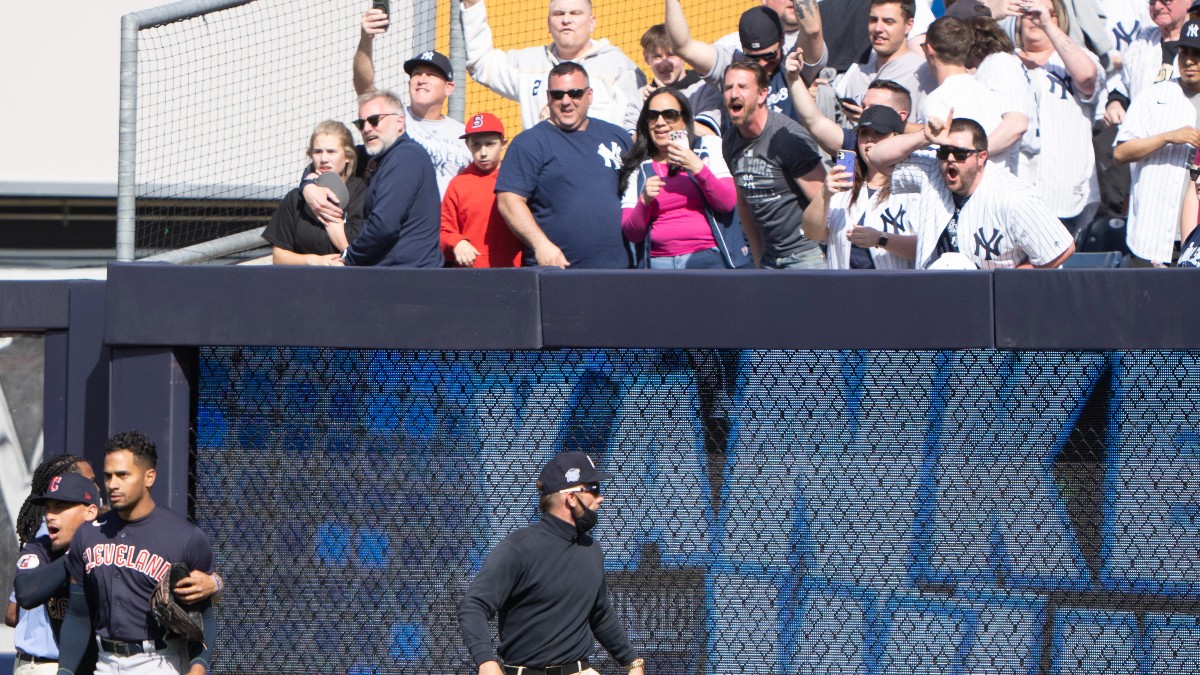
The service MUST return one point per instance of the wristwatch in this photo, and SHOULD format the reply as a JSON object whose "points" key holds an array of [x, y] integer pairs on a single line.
{"points": [[636, 663], [882, 243]]}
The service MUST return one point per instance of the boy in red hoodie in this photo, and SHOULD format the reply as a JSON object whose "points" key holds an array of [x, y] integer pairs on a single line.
{"points": [[473, 232]]}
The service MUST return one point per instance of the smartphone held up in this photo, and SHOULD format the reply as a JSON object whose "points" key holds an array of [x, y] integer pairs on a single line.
{"points": [[383, 5]]}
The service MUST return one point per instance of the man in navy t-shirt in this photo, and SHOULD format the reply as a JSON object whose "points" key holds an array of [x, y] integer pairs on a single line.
{"points": [[557, 188]]}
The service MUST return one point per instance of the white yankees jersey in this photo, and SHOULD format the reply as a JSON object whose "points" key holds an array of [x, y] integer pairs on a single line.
{"points": [[1156, 194], [522, 75], [1003, 224], [1064, 176], [1143, 63], [1004, 75], [891, 216]]}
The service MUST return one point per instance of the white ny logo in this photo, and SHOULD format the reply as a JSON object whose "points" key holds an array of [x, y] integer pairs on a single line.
{"points": [[1193, 30], [426, 56], [610, 155]]}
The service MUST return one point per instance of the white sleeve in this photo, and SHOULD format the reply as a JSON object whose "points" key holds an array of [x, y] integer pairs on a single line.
{"points": [[1035, 230], [723, 58], [630, 195], [1006, 78], [1136, 118], [710, 152], [915, 174], [487, 65]]}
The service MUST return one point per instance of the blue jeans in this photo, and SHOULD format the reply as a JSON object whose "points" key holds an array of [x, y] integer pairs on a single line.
{"points": [[707, 259], [812, 258]]}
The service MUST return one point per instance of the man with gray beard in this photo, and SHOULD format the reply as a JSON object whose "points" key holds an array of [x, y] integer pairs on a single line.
{"points": [[401, 221]]}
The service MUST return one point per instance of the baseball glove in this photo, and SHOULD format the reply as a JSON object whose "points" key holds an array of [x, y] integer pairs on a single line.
{"points": [[174, 617]]}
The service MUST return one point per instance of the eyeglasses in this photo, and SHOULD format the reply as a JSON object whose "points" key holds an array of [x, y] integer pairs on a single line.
{"points": [[670, 116], [558, 94], [960, 154], [593, 489], [1193, 170], [768, 57], [373, 120], [1164, 3]]}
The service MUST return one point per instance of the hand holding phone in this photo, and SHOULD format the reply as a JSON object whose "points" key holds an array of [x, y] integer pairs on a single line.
{"points": [[678, 138], [846, 160], [383, 5]]}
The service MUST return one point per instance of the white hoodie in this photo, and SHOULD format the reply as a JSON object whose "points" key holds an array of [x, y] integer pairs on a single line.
{"points": [[521, 74]]}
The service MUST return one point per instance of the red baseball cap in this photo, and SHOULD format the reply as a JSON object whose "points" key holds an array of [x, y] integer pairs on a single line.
{"points": [[483, 123]]}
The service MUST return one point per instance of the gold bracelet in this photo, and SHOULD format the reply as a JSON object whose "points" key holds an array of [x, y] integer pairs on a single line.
{"points": [[636, 663]]}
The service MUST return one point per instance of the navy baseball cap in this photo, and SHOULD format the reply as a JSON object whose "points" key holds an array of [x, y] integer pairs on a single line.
{"points": [[436, 59], [967, 10], [568, 469], [72, 488], [881, 118], [760, 28], [1189, 35]]}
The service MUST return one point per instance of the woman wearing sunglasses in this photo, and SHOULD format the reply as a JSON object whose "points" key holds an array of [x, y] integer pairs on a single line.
{"points": [[679, 196], [864, 225], [297, 236]]}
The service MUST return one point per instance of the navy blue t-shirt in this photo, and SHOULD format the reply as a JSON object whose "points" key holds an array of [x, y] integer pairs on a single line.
{"points": [[119, 564], [569, 179]]}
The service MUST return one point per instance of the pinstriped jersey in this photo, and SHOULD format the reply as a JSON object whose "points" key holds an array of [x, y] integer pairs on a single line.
{"points": [[1156, 192], [1144, 65], [1064, 176], [893, 215], [1004, 75], [1003, 224]]}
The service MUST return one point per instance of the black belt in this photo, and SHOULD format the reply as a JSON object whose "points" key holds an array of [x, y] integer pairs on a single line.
{"points": [[30, 658], [569, 669], [128, 648]]}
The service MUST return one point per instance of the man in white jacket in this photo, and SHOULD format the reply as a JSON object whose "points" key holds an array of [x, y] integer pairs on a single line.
{"points": [[522, 74]]}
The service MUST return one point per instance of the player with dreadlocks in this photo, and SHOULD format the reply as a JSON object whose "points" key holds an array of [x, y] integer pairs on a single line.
{"points": [[34, 635], [32, 512]]}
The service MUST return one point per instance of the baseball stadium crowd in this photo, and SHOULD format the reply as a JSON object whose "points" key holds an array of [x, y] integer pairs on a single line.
{"points": [[865, 134], [859, 134]]}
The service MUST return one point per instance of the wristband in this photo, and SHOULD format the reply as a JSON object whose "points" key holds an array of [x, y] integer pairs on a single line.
{"points": [[220, 584]]}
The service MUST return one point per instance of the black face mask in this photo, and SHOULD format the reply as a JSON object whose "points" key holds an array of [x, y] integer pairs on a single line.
{"points": [[586, 521]]}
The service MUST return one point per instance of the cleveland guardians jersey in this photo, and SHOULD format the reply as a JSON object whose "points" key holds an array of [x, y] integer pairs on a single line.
{"points": [[119, 564]]}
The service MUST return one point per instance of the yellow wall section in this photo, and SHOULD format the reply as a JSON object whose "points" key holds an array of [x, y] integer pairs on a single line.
{"points": [[522, 23]]}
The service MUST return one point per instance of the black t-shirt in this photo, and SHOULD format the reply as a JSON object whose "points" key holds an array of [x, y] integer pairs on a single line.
{"points": [[294, 228], [846, 37], [948, 242]]}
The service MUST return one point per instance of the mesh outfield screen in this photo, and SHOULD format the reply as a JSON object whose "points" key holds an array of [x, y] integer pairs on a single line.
{"points": [[819, 512], [226, 100]]}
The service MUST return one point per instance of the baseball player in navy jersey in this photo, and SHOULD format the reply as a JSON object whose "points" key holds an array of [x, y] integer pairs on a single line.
{"points": [[115, 564], [70, 500]]}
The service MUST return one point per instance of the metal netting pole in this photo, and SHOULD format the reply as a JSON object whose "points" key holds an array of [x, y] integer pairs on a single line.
{"points": [[127, 141], [458, 61]]}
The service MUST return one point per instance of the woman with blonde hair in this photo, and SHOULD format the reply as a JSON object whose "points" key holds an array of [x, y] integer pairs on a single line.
{"points": [[297, 236]]}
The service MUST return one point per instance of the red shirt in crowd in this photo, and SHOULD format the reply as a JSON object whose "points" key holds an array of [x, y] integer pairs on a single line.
{"points": [[469, 211]]}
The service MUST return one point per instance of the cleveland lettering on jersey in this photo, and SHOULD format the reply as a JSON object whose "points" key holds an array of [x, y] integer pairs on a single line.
{"points": [[128, 556]]}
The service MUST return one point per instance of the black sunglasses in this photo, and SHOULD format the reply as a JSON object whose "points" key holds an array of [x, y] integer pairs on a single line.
{"points": [[670, 116], [373, 120], [593, 488], [960, 154], [558, 94], [1193, 170], [763, 56]]}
